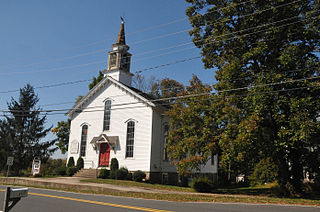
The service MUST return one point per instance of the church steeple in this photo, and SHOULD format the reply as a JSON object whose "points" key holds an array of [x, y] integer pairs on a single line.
{"points": [[121, 37], [119, 59]]}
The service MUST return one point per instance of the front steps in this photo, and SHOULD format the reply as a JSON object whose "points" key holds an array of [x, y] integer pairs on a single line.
{"points": [[87, 173]]}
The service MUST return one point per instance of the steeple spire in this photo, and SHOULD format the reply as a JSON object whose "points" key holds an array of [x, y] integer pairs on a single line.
{"points": [[121, 37], [119, 59]]}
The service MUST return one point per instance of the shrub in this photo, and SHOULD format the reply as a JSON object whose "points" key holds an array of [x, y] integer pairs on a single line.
{"points": [[37, 175], [24, 172], [60, 171], [70, 162], [264, 172], [71, 170], [112, 174], [129, 177], [104, 173], [138, 176], [202, 184], [80, 163], [122, 173], [114, 165]]}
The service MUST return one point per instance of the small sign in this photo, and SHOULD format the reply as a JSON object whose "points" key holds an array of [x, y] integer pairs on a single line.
{"points": [[10, 161], [36, 166], [74, 148]]}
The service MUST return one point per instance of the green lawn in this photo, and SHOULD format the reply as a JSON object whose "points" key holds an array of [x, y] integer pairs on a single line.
{"points": [[139, 184]]}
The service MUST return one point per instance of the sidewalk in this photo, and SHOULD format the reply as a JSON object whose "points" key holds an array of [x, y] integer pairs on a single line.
{"points": [[75, 183]]}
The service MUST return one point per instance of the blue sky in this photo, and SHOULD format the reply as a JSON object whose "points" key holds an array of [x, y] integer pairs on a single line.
{"points": [[50, 42]]}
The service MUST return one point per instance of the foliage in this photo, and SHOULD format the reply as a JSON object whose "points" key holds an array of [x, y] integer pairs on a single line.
{"points": [[62, 131], [167, 88], [129, 176], [52, 166], [202, 184], [138, 176], [96, 80], [70, 162], [71, 170], [104, 173], [114, 164], [264, 172], [80, 163], [249, 51], [60, 171], [191, 140], [122, 173], [22, 132]]}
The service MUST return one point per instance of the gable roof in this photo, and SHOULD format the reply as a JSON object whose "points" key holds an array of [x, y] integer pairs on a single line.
{"points": [[103, 138], [143, 97]]}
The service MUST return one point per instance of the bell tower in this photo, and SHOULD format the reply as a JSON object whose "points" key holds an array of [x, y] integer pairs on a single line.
{"points": [[119, 60]]}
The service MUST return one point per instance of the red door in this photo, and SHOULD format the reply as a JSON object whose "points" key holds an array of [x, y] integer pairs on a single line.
{"points": [[104, 154]]}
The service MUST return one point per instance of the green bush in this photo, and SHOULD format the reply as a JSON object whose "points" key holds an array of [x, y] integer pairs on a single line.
{"points": [[122, 173], [80, 163], [138, 176], [71, 170], [202, 184], [60, 171], [112, 174], [37, 175], [129, 177], [104, 173], [114, 165], [70, 162], [264, 172]]}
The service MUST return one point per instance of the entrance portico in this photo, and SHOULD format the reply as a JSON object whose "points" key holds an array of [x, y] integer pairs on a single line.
{"points": [[104, 144]]}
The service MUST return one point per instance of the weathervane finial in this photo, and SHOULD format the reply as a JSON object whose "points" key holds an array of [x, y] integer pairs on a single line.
{"points": [[122, 19]]}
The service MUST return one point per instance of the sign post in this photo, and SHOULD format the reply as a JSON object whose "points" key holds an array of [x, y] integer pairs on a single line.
{"points": [[9, 163], [12, 197]]}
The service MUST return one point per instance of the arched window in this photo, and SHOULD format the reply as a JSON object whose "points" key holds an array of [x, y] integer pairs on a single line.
{"points": [[84, 135], [130, 139], [106, 117], [165, 142]]}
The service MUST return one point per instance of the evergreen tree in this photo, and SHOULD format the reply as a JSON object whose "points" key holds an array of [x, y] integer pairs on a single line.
{"points": [[4, 151], [262, 42], [24, 131], [96, 80]]}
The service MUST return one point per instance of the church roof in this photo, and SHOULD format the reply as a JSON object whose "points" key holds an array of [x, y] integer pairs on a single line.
{"points": [[145, 98], [121, 37]]}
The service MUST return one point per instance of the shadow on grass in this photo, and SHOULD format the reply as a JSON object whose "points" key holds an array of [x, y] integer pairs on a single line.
{"points": [[270, 192]]}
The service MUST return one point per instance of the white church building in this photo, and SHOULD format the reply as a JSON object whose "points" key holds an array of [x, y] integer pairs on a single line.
{"points": [[115, 120]]}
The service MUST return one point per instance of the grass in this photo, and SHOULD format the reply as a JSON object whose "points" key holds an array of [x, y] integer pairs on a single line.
{"points": [[197, 198], [126, 183]]}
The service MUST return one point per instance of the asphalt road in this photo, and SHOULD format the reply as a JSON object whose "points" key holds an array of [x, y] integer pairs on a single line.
{"points": [[55, 201]]}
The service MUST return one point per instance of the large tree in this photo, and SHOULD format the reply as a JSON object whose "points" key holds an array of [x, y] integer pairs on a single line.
{"points": [[192, 135], [255, 43], [23, 131], [166, 88]]}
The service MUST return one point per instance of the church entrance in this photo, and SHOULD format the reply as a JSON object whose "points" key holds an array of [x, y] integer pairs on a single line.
{"points": [[104, 156]]}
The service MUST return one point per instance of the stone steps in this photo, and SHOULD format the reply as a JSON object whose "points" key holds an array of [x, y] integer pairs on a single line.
{"points": [[87, 173]]}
